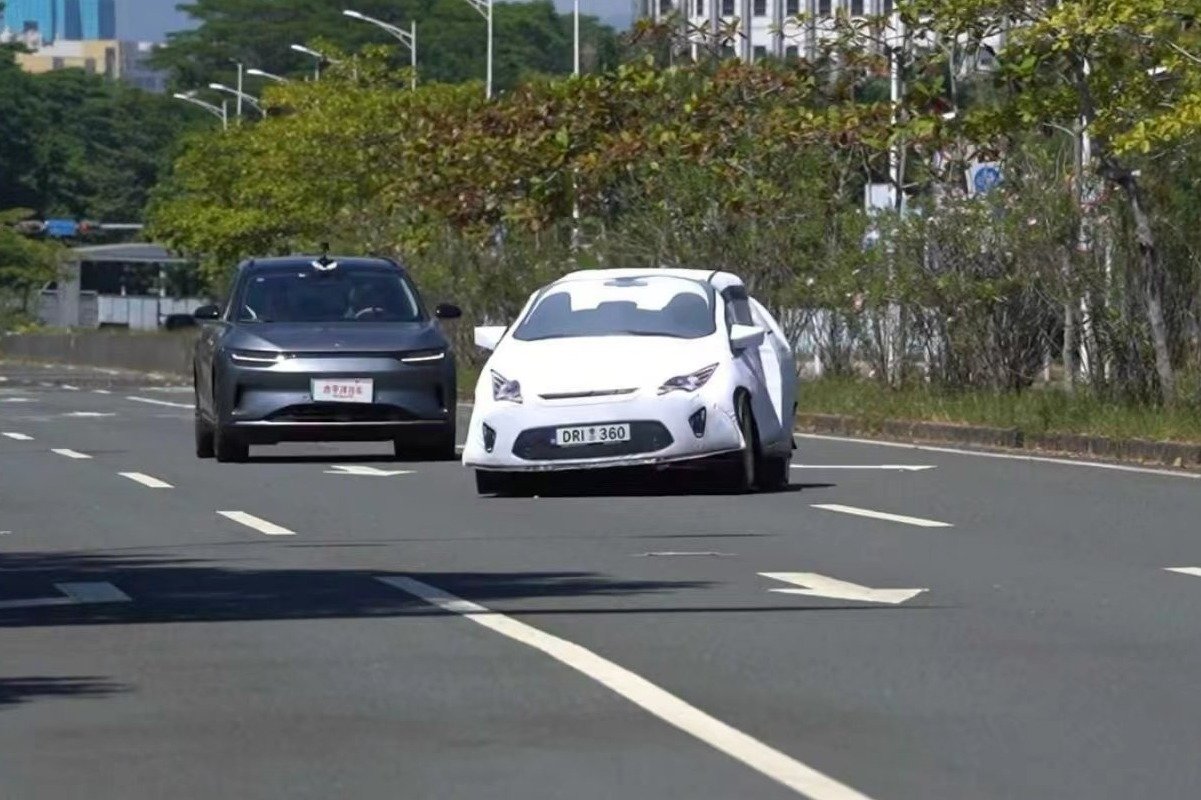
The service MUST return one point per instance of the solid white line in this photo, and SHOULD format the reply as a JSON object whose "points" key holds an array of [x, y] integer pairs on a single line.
{"points": [[1011, 456], [863, 512], [20, 437], [801, 778], [62, 451], [1195, 571], [160, 402], [887, 467], [260, 525], [146, 480]]}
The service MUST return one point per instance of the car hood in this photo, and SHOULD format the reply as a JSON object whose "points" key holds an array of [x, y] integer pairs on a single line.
{"points": [[600, 363], [337, 337]]}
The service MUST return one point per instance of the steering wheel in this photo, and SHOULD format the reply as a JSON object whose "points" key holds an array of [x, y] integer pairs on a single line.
{"points": [[369, 310]]}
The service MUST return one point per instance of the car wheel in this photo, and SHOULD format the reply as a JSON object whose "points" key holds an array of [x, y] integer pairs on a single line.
{"points": [[774, 472], [228, 447], [742, 473], [204, 438]]}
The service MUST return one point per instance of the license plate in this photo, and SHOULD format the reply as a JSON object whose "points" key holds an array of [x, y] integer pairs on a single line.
{"points": [[343, 390], [591, 434]]}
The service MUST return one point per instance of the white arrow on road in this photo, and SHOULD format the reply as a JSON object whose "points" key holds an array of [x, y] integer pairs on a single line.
{"points": [[820, 586], [1194, 571], [76, 594], [355, 469], [892, 467]]}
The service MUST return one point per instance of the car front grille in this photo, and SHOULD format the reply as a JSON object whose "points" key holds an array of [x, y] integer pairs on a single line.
{"points": [[582, 395], [537, 444], [341, 412]]}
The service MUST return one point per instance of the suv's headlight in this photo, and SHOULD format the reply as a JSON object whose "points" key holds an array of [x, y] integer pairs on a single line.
{"points": [[505, 389], [255, 358], [690, 382], [422, 356]]}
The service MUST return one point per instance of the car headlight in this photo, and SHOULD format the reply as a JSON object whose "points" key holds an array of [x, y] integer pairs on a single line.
{"points": [[422, 356], [505, 389], [255, 358], [690, 382]]}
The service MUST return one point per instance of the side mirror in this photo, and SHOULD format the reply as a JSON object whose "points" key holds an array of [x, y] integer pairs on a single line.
{"points": [[207, 313], [489, 336], [744, 337], [448, 311]]}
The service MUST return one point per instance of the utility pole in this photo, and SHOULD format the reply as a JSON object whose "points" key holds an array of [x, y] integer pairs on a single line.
{"points": [[892, 327], [239, 103]]}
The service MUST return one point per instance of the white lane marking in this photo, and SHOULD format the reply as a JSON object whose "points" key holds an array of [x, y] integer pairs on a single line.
{"points": [[154, 402], [864, 512], [146, 480], [20, 437], [76, 594], [354, 469], [768, 761], [712, 553], [1194, 571], [62, 451], [69, 387], [257, 523], [89, 414], [1067, 462], [101, 391], [889, 467], [15, 400], [815, 585]]}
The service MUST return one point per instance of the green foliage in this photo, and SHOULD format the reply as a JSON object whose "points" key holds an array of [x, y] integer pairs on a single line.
{"points": [[25, 267]]}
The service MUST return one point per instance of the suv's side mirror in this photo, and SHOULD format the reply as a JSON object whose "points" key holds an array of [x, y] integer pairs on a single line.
{"points": [[448, 311], [209, 312]]}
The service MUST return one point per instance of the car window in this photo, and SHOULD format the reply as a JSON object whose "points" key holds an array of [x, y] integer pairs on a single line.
{"points": [[738, 307], [300, 294], [651, 306]]}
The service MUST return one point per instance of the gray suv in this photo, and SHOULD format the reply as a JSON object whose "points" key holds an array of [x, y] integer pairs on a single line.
{"points": [[324, 349]]}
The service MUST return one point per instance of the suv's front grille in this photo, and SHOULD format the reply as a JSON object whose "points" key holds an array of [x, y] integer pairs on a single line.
{"points": [[341, 412], [537, 444]]}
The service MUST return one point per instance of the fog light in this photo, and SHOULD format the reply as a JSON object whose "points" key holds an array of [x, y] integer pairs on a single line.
{"points": [[489, 438], [697, 422]]}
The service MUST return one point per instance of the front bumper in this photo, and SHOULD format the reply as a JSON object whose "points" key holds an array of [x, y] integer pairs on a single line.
{"points": [[661, 434]]}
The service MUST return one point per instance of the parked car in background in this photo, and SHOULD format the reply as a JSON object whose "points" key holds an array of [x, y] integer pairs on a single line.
{"points": [[324, 349]]}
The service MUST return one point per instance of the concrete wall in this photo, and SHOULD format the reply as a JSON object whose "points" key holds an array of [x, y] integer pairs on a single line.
{"points": [[169, 353]]}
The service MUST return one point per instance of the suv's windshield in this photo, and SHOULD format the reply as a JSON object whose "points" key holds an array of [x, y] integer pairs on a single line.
{"points": [[647, 306], [344, 294]]}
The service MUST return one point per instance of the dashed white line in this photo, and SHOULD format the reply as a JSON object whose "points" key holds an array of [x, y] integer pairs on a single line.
{"points": [[864, 512], [154, 402], [89, 414], [19, 437], [101, 391], [766, 760], [62, 451], [257, 523], [146, 480], [69, 387]]}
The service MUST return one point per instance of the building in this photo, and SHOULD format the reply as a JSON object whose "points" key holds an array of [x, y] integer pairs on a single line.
{"points": [[113, 59], [39, 22]]}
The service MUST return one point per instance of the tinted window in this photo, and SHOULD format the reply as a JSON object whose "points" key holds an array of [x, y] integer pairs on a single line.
{"points": [[652, 306], [344, 294], [738, 308]]}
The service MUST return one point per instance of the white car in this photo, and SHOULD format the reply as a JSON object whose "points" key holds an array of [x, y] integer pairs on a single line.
{"points": [[618, 368]]}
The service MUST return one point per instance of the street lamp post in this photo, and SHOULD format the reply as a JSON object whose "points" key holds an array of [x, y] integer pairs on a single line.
{"points": [[269, 76], [484, 7], [240, 93], [251, 99], [575, 10], [220, 112], [407, 38], [319, 57]]}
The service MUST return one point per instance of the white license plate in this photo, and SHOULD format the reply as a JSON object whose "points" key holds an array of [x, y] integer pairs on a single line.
{"points": [[591, 434], [343, 390]]}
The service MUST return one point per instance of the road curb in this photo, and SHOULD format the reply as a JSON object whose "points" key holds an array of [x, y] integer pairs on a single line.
{"points": [[1139, 451]]}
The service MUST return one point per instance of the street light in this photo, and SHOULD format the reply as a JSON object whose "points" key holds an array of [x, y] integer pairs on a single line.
{"points": [[269, 76], [407, 38], [254, 101], [484, 7], [320, 57], [220, 112]]}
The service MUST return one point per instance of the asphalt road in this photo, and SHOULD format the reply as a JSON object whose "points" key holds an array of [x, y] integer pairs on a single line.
{"points": [[621, 642]]}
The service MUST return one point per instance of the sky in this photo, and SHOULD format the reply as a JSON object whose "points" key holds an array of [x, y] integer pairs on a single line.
{"points": [[150, 20]]}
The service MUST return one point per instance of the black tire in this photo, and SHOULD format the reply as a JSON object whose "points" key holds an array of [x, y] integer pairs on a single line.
{"points": [[774, 473], [228, 448], [742, 473], [204, 438]]}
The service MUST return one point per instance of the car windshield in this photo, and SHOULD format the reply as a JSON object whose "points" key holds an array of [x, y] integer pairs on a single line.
{"points": [[343, 294], [645, 306]]}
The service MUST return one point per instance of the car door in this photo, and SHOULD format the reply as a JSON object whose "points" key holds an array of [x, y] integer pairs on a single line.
{"points": [[779, 366], [207, 341], [761, 378]]}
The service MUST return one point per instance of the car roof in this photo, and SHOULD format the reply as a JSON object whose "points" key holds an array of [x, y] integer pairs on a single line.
{"points": [[275, 262], [717, 278]]}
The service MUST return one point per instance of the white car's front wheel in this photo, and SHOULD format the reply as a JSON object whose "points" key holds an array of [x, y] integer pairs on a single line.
{"points": [[742, 473]]}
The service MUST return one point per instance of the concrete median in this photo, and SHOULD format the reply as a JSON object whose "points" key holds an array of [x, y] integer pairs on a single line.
{"points": [[163, 353]]}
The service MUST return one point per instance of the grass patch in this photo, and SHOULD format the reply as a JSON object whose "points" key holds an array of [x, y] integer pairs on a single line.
{"points": [[1033, 412]]}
